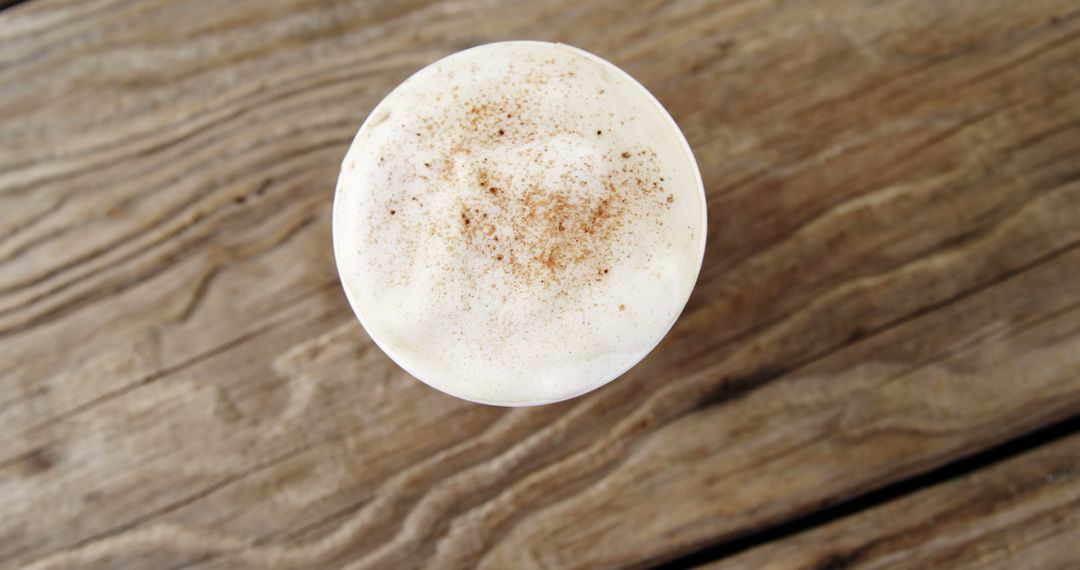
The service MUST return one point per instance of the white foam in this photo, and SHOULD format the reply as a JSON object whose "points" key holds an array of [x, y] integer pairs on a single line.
{"points": [[518, 223]]}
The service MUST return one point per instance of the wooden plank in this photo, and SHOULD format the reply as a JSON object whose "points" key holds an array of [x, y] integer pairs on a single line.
{"points": [[1022, 513], [889, 282]]}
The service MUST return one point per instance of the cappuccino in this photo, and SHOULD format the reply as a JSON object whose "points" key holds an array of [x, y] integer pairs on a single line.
{"points": [[518, 223]]}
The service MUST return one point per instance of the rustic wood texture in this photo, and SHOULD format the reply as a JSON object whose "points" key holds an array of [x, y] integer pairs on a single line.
{"points": [[1021, 514], [890, 283]]}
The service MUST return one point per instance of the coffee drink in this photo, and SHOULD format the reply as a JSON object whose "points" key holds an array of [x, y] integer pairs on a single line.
{"points": [[518, 223]]}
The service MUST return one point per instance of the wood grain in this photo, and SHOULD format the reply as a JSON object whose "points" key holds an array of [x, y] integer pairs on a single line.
{"points": [[890, 282], [1021, 514]]}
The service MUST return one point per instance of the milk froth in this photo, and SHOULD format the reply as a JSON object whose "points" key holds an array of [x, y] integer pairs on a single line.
{"points": [[518, 223]]}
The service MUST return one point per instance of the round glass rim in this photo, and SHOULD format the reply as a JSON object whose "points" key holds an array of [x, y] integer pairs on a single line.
{"points": [[398, 360]]}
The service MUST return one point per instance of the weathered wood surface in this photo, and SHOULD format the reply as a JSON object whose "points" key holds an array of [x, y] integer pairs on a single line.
{"points": [[891, 282], [1021, 514]]}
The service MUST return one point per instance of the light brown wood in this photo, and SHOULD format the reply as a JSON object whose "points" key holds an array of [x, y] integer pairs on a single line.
{"points": [[1020, 514], [890, 282]]}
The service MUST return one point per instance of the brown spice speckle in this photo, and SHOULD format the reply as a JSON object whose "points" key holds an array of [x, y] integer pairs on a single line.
{"points": [[551, 230]]}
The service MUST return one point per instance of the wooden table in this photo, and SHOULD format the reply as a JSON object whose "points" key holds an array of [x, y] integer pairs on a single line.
{"points": [[880, 366]]}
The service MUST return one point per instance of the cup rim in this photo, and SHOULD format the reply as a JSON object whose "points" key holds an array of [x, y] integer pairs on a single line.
{"points": [[702, 240]]}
